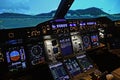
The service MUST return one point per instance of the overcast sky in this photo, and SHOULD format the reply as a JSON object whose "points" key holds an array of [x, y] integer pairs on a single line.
{"points": [[42, 6]]}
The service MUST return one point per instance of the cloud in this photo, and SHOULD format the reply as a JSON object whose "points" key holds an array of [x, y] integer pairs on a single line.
{"points": [[13, 5]]}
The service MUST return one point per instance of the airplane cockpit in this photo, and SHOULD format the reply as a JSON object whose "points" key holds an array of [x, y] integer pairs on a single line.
{"points": [[64, 44]]}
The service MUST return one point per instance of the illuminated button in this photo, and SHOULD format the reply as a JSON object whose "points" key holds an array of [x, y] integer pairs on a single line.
{"points": [[11, 35]]}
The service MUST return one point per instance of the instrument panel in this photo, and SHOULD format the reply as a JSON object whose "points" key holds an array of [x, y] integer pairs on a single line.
{"points": [[48, 43]]}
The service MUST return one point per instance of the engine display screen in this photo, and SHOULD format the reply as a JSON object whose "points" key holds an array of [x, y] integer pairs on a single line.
{"points": [[84, 62], [66, 46], [59, 72]]}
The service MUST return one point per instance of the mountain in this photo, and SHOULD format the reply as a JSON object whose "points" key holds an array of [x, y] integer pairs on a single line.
{"points": [[89, 12], [93, 11], [50, 14], [114, 17], [79, 13], [14, 15]]}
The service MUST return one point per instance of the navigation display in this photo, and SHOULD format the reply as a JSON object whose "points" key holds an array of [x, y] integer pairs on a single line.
{"points": [[59, 72], [94, 40], [36, 53], [34, 46], [72, 66], [86, 41], [84, 62]]}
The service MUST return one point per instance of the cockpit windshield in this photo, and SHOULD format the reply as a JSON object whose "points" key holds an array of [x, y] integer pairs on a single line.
{"points": [[108, 6], [26, 13], [29, 13], [94, 8]]}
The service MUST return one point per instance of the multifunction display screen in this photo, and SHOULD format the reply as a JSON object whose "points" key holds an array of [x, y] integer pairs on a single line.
{"points": [[59, 72], [84, 62], [72, 66]]}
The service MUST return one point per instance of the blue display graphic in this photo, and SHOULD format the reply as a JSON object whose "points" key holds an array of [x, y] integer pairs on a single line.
{"points": [[91, 23], [66, 46], [72, 66], [84, 62], [15, 55], [16, 58], [94, 40], [59, 72]]}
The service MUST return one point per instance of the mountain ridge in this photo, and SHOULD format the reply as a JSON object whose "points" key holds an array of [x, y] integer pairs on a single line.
{"points": [[78, 13], [14, 14]]}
